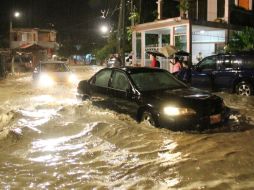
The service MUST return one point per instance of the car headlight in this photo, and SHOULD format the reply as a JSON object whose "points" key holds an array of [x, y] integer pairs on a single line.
{"points": [[73, 78], [46, 80], [176, 111]]}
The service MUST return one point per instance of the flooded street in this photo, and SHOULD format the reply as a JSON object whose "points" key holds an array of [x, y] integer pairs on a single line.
{"points": [[50, 140]]}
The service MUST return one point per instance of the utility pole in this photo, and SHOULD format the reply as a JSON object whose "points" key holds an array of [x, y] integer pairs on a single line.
{"points": [[121, 32], [132, 9]]}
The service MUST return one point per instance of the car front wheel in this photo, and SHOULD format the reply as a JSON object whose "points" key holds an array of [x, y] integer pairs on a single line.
{"points": [[149, 118], [244, 89]]}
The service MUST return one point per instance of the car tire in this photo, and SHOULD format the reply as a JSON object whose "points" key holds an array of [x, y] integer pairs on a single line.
{"points": [[85, 97], [148, 117], [244, 89]]}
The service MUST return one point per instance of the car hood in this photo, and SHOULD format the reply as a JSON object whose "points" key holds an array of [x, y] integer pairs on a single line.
{"points": [[194, 98], [58, 76]]}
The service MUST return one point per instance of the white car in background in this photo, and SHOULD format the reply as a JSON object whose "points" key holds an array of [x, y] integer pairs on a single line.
{"points": [[49, 73]]}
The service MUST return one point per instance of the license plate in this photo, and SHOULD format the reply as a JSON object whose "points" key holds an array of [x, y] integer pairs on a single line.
{"points": [[215, 118]]}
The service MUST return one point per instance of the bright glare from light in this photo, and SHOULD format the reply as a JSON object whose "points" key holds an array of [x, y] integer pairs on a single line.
{"points": [[46, 80], [17, 14], [171, 111], [73, 78], [202, 32], [104, 29], [175, 111]]}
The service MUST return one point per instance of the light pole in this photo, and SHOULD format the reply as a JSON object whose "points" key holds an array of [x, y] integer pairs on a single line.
{"points": [[121, 32], [16, 14]]}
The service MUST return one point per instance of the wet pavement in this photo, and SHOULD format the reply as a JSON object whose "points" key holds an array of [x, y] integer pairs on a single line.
{"points": [[50, 140]]}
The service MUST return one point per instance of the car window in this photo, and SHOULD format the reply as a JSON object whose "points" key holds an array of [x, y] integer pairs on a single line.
{"points": [[235, 62], [155, 80], [248, 62], [208, 63], [227, 62], [102, 78], [224, 62], [120, 81], [54, 67]]}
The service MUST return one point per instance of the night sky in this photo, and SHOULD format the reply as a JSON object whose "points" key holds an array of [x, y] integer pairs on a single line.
{"points": [[76, 20]]}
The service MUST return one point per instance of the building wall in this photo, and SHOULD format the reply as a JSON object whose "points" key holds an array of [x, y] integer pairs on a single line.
{"points": [[210, 10], [21, 37]]}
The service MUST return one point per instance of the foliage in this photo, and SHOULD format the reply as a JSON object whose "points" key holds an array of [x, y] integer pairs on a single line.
{"points": [[108, 49], [135, 16], [184, 5], [241, 40]]}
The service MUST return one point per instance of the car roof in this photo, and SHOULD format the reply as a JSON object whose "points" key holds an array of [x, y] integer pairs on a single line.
{"points": [[131, 70], [48, 62], [236, 53]]}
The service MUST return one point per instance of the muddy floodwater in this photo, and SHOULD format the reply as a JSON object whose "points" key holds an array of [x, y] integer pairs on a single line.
{"points": [[50, 140]]}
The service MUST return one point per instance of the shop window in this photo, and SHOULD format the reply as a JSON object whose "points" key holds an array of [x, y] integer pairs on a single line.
{"points": [[24, 37], [220, 8]]}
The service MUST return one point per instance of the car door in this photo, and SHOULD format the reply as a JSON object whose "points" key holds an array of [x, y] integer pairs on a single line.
{"points": [[122, 94], [98, 86], [201, 76], [226, 72]]}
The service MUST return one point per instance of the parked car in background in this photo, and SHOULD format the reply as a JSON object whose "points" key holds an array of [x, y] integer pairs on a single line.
{"points": [[154, 95], [225, 72], [63, 59], [49, 73]]}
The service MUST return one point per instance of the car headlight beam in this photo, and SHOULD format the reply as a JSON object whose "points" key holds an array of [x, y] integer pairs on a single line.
{"points": [[177, 111], [46, 80], [73, 78]]}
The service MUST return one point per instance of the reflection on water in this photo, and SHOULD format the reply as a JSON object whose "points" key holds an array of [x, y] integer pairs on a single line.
{"points": [[66, 144]]}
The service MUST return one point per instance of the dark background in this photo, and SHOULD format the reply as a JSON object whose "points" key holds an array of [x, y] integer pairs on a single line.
{"points": [[76, 21]]}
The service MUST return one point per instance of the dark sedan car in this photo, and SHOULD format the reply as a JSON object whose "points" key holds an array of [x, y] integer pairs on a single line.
{"points": [[154, 95]]}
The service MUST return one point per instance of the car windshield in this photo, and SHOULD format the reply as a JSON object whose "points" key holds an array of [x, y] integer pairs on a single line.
{"points": [[54, 67], [155, 80]]}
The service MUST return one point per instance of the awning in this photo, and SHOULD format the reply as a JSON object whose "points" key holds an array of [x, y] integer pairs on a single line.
{"points": [[30, 47]]}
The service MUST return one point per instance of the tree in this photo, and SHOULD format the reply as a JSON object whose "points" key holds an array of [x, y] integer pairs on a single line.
{"points": [[184, 7], [108, 49], [241, 40]]}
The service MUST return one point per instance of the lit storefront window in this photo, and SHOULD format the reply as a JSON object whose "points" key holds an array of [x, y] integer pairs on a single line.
{"points": [[244, 4]]}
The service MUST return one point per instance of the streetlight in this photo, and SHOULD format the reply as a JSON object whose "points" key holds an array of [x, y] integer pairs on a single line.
{"points": [[104, 29], [16, 14]]}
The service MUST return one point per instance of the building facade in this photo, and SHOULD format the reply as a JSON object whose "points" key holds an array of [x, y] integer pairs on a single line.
{"points": [[202, 29], [41, 42]]}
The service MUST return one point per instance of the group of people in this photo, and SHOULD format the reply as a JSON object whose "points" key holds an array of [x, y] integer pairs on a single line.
{"points": [[180, 68]]}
